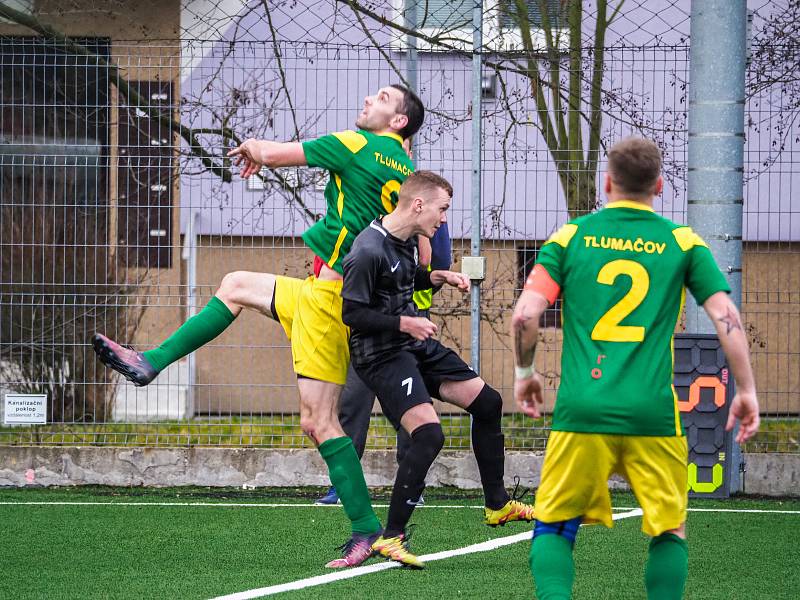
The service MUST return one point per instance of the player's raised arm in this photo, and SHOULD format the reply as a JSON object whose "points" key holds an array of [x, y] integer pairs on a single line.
{"points": [[728, 323], [253, 154], [452, 278]]}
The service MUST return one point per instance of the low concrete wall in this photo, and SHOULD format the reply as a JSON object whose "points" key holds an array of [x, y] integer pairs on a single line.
{"points": [[772, 474], [48, 466], [769, 474]]}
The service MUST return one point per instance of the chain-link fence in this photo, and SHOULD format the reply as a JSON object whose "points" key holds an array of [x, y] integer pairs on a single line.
{"points": [[121, 214]]}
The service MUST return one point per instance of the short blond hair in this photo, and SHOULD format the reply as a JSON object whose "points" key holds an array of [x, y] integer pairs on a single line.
{"points": [[423, 181], [634, 165]]}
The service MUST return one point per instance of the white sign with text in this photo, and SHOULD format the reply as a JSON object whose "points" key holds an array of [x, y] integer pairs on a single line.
{"points": [[25, 409]]}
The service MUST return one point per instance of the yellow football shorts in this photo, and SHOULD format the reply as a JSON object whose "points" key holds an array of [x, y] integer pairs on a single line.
{"points": [[310, 312], [577, 467]]}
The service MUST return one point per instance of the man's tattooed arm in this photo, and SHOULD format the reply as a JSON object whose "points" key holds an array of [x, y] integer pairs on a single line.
{"points": [[524, 346], [731, 321]]}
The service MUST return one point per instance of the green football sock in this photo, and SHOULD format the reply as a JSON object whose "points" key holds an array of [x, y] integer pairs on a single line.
{"points": [[552, 566], [194, 333], [667, 567], [347, 477]]}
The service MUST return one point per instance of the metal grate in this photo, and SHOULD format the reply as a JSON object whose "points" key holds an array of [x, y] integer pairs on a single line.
{"points": [[120, 213]]}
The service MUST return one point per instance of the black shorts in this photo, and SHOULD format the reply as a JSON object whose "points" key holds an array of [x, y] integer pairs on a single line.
{"points": [[411, 376]]}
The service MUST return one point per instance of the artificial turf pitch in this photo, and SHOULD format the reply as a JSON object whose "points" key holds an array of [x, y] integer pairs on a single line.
{"points": [[153, 550]]}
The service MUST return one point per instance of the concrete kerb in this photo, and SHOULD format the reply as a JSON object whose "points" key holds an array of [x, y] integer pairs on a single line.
{"points": [[767, 474]]}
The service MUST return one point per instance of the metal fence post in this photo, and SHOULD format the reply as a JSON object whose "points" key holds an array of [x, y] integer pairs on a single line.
{"points": [[475, 292], [716, 148], [189, 254], [412, 66]]}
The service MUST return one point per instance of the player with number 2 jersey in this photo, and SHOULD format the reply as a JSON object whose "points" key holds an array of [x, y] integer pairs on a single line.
{"points": [[622, 273], [628, 266]]}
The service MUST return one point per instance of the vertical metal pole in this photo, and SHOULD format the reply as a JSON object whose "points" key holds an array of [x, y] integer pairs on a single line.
{"points": [[475, 292], [412, 66], [189, 254], [716, 147], [411, 43]]}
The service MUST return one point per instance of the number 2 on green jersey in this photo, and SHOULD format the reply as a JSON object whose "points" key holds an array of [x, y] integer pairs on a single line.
{"points": [[608, 328]]}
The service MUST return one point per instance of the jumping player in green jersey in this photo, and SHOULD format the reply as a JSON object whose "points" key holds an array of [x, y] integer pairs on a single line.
{"points": [[622, 273], [367, 167]]}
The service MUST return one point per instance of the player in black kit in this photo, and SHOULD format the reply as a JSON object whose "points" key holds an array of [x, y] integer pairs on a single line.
{"points": [[393, 352]]}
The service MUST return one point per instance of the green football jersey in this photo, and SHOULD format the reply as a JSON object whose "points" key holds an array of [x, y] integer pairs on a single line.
{"points": [[366, 172], [623, 272]]}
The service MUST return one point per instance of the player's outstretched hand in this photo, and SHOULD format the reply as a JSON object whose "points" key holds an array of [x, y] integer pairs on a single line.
{"points": [[419, 328], [247, 154], [457, 280], [528, 394], [744, 408]]}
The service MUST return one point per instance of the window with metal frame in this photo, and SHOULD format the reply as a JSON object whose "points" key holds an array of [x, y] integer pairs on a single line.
{"points": [[450, 22], [23, 6]]}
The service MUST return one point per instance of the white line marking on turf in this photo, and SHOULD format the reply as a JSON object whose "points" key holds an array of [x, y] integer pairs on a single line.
{"points": [[359, 571], [224, 504], [327, 506], [737, 510]]}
